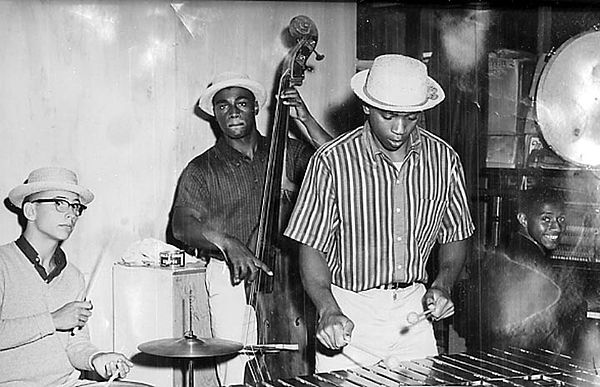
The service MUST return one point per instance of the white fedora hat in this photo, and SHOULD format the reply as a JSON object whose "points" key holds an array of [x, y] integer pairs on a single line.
{"points": [[49, 179], [397, 83], [230, 79]]}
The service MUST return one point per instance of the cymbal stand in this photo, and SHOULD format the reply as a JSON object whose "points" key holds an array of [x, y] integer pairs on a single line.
{"points": [[189, 334], [190, 372]]}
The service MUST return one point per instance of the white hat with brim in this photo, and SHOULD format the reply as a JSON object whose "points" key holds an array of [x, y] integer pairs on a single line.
{"points": [[397, 83], [50, 179], [230, 79]]}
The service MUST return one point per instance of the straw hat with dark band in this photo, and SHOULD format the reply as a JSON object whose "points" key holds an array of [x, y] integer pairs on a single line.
{"points": [[50, 179], [230, 79], [397, 83]]}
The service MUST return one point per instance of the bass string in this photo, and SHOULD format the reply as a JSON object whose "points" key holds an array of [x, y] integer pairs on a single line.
{"points": [[292, 75], [263, 252]]}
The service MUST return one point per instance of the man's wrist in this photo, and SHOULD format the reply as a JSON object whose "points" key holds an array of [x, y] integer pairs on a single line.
{"points": [[328, 309], [93, 357], [442, 289]]}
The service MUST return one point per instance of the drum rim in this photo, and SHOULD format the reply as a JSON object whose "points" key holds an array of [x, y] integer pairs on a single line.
{"points": [[116, 383]]}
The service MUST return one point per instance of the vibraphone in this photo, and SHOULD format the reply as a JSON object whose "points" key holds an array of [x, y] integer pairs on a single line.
{"points": [[514, 367]]}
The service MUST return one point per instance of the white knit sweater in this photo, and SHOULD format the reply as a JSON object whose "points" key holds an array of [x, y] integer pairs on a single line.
{"points": [[32, 352]]}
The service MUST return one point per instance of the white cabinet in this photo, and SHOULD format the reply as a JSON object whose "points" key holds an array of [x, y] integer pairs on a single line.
{"points": [[152, 303]]}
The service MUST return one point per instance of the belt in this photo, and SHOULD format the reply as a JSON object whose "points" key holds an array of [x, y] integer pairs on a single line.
{"points": [[395, 285]]}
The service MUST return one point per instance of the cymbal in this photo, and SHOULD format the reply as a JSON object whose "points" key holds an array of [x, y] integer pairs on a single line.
{"points": [[568, 100], [190, 347]]}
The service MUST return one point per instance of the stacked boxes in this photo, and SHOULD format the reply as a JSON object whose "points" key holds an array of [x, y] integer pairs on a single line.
{"points": [[510, 78]]}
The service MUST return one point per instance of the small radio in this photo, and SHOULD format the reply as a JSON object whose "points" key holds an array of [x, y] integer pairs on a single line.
{"points": [[172, 258]]}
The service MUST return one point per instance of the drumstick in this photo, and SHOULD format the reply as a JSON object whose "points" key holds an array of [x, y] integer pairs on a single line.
{"points": [[95, 270], [112, 379], [93, 276]]}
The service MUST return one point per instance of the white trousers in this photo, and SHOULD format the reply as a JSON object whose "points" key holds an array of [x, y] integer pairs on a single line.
{"points": [[230, 319], [381, 329]]}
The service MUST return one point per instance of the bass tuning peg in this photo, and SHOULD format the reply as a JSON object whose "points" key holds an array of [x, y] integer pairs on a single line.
{"points": [[318, 57]]}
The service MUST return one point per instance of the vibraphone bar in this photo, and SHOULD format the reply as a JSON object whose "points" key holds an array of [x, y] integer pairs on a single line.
{"points": [[514, 367]]}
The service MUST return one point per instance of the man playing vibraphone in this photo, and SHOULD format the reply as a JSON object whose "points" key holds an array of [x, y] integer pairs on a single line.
{"points": [[372, 205]]}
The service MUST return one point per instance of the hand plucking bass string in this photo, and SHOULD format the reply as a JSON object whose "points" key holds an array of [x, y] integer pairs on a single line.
{"points": [[243, 265]]}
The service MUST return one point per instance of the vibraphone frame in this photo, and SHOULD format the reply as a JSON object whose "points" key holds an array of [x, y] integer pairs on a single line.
{"points": [[513, 367]]}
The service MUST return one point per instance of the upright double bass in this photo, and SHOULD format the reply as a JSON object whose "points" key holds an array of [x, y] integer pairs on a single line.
{"points": [[283, 312]]}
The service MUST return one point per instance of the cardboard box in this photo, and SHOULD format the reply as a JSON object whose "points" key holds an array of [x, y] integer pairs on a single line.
{"points": [[510, 76], [505, 151]]}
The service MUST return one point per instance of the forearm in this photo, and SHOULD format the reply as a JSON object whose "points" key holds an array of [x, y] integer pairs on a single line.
{"points": [[16, 332], [451, 261], [80, 349], [316, 279], [190, 230], [315, 133]]}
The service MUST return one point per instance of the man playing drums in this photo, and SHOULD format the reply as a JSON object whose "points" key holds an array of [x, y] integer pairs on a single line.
{"points": [[44, 339]]}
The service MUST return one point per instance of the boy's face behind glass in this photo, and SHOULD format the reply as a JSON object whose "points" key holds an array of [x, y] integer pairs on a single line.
{"points": [[546, 225]]}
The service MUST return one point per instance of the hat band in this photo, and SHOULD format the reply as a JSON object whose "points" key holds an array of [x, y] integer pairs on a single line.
{"points": [[431, 94]]}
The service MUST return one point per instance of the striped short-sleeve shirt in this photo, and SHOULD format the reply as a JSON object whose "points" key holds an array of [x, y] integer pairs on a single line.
{"points": [[377, 222]]}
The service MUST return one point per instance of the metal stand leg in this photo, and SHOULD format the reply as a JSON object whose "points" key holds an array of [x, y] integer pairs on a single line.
{"points": [[190, 372]]}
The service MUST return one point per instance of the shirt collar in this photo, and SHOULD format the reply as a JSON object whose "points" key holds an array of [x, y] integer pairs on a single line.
{"points": [[374, 147], [524, 234], [232, 154], [59, 258]]}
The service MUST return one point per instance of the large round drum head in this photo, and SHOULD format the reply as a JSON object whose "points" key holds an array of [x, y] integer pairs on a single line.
{"points": [[568, 100]]}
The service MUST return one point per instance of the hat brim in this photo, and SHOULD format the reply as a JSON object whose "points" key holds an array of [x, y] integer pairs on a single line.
{"points": [[206, 99], [357, 83], [17, 194]]}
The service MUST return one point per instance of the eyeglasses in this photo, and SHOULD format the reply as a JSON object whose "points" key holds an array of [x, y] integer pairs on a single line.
{"points": [[63, 205]]}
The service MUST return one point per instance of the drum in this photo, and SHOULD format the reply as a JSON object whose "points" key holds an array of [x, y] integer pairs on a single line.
{"points": [[117, 383], [567, 102]]}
